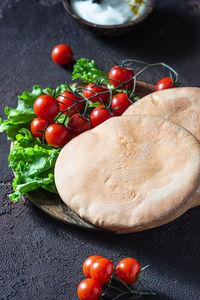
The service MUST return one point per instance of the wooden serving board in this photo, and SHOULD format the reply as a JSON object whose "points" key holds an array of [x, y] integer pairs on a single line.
{"points": [[52, 203]]}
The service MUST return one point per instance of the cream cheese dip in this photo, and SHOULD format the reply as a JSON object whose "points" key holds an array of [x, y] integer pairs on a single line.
{"points": [[109, 12]]}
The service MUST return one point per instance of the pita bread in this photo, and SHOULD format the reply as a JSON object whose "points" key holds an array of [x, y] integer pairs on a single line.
{"points": [[130, 173], [180, 105]]}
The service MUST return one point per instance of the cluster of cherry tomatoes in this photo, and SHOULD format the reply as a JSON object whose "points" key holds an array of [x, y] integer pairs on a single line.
{"points": [[99, 270], [47, 108], [120, 102], [72, 104]]}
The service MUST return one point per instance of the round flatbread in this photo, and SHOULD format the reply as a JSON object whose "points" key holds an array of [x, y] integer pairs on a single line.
{"points": [[180, 105], [130, 173]]}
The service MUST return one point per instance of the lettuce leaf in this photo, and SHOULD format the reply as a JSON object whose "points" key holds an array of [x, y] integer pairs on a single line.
{"points": [[87, 70], [33, 163], [24, 112], [22, 116]]}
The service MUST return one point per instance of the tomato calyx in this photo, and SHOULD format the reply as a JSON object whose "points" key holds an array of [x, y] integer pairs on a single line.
{"points": [[175, 79], [176, 83]]}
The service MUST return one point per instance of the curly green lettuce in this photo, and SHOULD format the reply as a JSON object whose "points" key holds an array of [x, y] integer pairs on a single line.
{"points": [[33, 163], [23, 114], [87, 70]]}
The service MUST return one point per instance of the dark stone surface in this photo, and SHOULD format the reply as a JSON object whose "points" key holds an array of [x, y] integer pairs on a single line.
{"points": [[41, 258]]}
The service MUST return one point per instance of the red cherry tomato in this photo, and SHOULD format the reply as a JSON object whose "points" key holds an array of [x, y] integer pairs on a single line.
{"points": [[89, 289], [122, 75], [36, 125], [62, 54], [65, 101], [164, 83], [102, 270], [88, 263], [99, 115], [46, 107], [121, 103], [57, 135], [90, 90], [128, 270], [78, 124]]}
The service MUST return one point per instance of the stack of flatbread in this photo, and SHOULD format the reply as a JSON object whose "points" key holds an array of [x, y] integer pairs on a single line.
{"points": [[137, 171]]}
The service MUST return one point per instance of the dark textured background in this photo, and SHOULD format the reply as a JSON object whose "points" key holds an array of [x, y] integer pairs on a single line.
{"points": [[41, 258]]}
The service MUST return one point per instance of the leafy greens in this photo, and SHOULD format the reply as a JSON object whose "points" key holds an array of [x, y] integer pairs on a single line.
{"points": [[87, 70], [22, 116], [33, 163], [32, 160]]}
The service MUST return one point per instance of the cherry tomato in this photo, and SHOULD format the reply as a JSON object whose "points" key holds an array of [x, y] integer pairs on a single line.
{"points": [[120, 101], [99, 115], [164, 83], [78, 124], [65, 102], [128, 270], [88, 263], [122, 75], [101, 270], [62, 54], [89, 289], [91, 89], [36, 125], [57, 135], [46, 107]]}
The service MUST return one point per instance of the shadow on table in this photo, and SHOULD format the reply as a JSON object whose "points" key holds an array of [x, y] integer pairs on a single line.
{"points": [[176, 239], [164, 35], [157, 297], [179, 238]]}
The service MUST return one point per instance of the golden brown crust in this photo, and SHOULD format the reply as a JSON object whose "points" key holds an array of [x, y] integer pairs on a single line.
{"points": [[180, 105], [130, 173]]}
